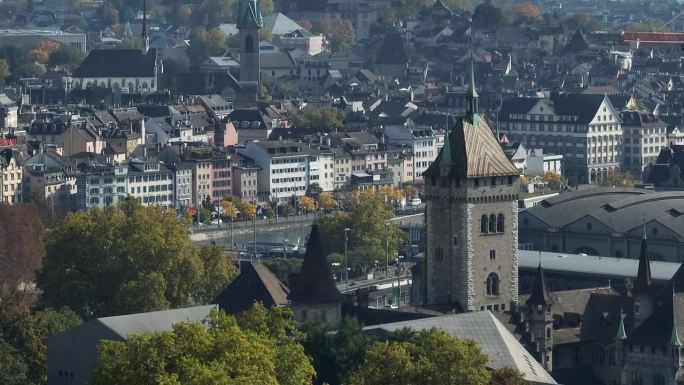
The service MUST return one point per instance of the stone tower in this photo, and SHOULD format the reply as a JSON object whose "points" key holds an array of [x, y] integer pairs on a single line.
{"points": [[472, 218], [540, 320], [313, 294], [249, 23]]}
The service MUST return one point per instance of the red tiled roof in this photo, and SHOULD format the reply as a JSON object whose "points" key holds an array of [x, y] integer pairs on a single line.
{"points": [[654, 37]]}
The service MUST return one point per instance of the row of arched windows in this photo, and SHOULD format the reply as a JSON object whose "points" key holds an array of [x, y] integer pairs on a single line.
{"points": [[492, 224]]}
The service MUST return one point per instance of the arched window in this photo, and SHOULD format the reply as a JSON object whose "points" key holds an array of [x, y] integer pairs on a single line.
{"points": [[492, 284], [500, 223], [492, 223], [249, 44], [484, 224]]}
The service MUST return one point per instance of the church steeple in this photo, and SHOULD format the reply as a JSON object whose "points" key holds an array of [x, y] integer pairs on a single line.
{"points": [[643, 279], [145, 41], [446, 161], [540, 294], [472, 97]]}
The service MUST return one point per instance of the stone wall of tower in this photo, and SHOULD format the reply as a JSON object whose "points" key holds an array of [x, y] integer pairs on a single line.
{"points": [[250, 65], [458, 253]]}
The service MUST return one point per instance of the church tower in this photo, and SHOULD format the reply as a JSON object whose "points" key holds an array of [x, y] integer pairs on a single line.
{"points": [[249, 23], [472, 218], [641, 292], [540, 320]]}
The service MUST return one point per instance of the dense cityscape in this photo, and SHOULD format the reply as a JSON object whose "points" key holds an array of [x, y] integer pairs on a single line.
{"points": [[341, 192]]}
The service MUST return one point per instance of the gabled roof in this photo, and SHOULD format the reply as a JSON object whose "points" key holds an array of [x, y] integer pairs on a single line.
{"points": [[494, 339], [117, 63], [475, 151], [152, 322], [315, 281], [255, 283], [280, 24]]}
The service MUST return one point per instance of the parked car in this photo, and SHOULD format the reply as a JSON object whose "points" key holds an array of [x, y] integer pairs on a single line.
{"points": [[415, 202], [216, 221]]}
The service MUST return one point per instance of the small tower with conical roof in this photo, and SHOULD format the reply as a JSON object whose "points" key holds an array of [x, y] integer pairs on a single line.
{"points": [[540, 320], [620, 338], [313, 294], [641, 291]]}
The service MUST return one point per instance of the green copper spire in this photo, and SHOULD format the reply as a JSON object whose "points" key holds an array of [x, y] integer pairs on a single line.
{"points": [[447, 160], [473, 97], [621, 335], [249, 13]]}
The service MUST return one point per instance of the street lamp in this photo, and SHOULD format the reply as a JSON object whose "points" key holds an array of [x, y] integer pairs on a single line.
{"points": [[346, 258], [386, 249]]}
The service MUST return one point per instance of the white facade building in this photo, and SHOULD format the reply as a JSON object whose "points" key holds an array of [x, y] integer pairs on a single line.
{"points": [[420, 140], [285, 168]]}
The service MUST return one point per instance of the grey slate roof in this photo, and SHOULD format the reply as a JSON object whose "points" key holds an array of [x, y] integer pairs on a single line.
{"points": [[117, 63], [494, 339], [255, 283], [148, 323], [476, 153], [605, 267], [280, 24], [621, 210]]}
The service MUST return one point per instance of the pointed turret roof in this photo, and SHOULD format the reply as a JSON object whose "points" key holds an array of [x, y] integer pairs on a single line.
{"points": [[315, 282], [447, 160], [472, 96], [540, 293], [249, 14], [643, 280]]}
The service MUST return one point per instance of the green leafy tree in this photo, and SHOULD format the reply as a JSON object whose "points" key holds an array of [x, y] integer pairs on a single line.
{"points": [[426, 358], [23, 338], [284, 268], [123, 259], [4, 70], [319, 118], [507, 376], [367, 220], [553, 180], [262, 348], [66, 56], [339, 32], [13, 370], [219, 270], [581, 20], [205, 43], [336, 356]]}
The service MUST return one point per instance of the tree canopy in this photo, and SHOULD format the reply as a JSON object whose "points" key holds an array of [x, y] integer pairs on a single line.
{"points": [[430, 357], [128, 259], [205, 43], [261, 348], [340, 33], [23, 338], [319, 118], [487, 16], [367, 217], [21, 247]]}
